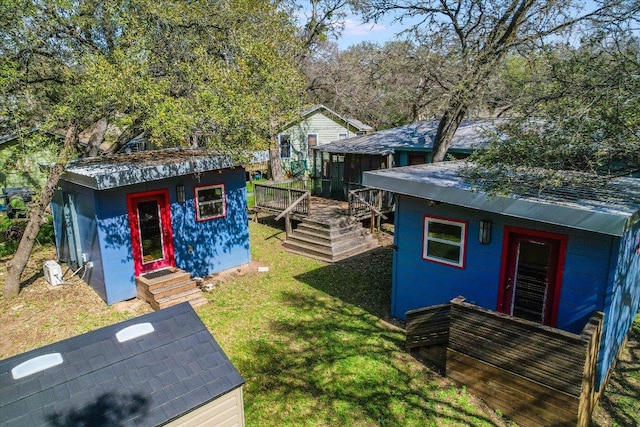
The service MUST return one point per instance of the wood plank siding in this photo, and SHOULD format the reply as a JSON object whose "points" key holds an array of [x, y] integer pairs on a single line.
{"points": [[534, 374]]}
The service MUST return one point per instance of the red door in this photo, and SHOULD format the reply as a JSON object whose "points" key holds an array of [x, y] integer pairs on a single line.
{"points": [[151, 237], [532, 264]]}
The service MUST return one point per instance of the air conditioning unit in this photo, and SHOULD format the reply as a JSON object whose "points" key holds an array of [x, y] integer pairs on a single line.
{"points": [[52, 273]]}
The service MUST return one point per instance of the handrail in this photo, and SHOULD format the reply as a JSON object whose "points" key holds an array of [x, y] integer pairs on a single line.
{"points": [[293, 205], [370, 206]]}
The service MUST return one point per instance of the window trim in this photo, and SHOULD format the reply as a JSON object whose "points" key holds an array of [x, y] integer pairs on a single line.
{"points": [[280, 145], [464, 225], [343, 135], [197, 204]]}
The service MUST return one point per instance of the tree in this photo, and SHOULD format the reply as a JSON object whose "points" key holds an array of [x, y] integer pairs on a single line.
{"points": [[475, 37], [165, 68], [582, 117]]}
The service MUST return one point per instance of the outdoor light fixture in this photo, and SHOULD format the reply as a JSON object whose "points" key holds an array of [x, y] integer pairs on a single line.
{"points": [[180, 193], [485, 231]]}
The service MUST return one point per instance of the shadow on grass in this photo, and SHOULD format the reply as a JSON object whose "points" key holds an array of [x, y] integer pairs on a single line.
{"points": [[331, 363], [620, 402], [363, 280]]}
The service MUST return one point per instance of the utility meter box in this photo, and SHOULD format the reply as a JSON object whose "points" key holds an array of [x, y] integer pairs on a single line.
{"points": [[52, 273]]}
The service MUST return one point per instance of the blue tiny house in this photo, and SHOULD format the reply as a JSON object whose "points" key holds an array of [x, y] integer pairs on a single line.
{"points": [[552, 259], [126, 215]]}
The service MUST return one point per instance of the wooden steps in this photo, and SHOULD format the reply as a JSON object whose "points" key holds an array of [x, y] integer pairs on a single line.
{"points": [[330, 240], [168, 287]]}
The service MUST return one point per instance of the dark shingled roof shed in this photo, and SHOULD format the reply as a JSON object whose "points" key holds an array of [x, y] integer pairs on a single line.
{"points": [[151, 370]]}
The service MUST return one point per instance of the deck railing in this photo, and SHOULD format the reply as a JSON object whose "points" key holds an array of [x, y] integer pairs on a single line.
{"points": [[361, 200], [277, 197], [535, 374]]}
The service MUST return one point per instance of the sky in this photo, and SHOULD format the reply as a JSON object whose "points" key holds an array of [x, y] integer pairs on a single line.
{"points": [[356, 32]]}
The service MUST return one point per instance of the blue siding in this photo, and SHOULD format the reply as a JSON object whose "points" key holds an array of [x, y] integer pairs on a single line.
{"points": [[206, 247], [623, 299], [114, 234], [418, 283], [85, 209], [200, 248]]}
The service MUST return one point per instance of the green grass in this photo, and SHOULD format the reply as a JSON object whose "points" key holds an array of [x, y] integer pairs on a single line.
{"points": [[310, 341], [250, 197]]}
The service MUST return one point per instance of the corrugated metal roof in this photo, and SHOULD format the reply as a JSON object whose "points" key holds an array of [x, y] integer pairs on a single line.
{"points": [[104, 172], [606, 210], [419, 135]]}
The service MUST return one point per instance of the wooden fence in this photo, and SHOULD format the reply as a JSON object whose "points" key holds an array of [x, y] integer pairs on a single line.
{"points": [[534, 374], [360, 199]]}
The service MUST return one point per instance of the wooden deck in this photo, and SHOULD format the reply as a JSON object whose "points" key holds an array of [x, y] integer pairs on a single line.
{"points": [[327, 230]]}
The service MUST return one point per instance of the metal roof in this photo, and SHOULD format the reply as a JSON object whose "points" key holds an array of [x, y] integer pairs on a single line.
{"points": [[144, 371], [471, 135], [353, 122], [105, 172], [606, 210]]}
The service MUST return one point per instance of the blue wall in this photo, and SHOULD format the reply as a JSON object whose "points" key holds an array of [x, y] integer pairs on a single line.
{"points": [[200, 248], [419, 283], [623, 300], [85, 208], [601, 272]]}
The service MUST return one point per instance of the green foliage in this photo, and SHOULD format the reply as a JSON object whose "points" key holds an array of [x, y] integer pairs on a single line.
{"points": [[11, 231], [581, 117], [168, 68]]}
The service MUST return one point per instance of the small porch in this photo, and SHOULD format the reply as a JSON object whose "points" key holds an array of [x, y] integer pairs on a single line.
{"points": [[534, 374]]}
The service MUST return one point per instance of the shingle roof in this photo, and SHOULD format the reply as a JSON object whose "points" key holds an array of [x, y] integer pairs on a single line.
{"points": [[148, 380], [419, 135], [353, 122], [606, 210], [118, 170]]}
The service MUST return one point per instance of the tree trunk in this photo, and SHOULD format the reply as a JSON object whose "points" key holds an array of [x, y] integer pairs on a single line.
{"points": [[96, 138], [447, 128], [275, 165], [16, 266]]}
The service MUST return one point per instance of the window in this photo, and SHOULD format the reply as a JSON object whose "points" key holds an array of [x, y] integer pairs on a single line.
{"points": [[342, 136], [444, 241], [312, 141], [210, 202], [285, 146]]}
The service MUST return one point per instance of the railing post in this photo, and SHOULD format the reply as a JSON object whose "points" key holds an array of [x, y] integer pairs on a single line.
{"points": [[287, 226]]}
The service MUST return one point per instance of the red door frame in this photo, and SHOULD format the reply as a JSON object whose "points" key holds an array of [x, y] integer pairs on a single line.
{"points": [[511, 234], [162, 197]]}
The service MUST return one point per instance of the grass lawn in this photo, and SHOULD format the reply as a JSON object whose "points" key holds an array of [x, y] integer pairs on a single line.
{"points": [[311, 340]]}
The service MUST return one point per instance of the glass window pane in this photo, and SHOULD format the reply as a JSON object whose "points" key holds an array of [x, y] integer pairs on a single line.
{"points": [[443, 231], [443, 251]]}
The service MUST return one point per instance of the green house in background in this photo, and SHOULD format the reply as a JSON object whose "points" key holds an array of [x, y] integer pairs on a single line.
{"points": [[317, 126]]}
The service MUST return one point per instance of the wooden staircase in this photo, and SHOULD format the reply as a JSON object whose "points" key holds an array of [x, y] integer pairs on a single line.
{"points": [[167, 287], [330, 239]]}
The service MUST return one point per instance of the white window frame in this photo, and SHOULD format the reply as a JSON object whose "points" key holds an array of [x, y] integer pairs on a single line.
{"points": [[280, 137], [343, 135], [462, 244], [199, 203]]}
